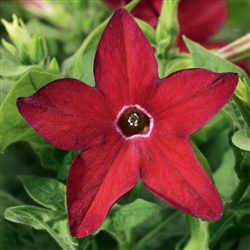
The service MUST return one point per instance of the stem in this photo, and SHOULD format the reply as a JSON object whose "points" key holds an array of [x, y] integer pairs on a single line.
{"points": [[161, 68], [124, 240], [156, 229], [237, 50], [219, 227], [239, 191]]}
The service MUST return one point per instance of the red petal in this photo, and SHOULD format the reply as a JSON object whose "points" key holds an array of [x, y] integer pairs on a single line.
{"points": [[188, 99], [97, 178], [172, 172], [201, 19], [125, 64], [146, 11], [115, 4], [68, 113]]}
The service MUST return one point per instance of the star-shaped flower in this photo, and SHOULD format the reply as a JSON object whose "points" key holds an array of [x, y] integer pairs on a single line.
{"points": [[131, 126]]}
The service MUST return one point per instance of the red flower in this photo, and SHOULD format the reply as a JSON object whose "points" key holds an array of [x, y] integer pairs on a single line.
{"points": [[131, 126]]}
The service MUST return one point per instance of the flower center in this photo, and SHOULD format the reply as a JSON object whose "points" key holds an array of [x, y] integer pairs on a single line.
{"points": [[133, 121]]}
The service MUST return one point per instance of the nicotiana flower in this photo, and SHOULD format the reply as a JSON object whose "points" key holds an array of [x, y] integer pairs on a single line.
{"points": [[131, 126]]}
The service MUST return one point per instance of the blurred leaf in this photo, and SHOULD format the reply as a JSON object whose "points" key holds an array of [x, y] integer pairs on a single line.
{"points": [[53, 67], [242, 98], [45, 191], [199, 234], [50, 157], [203, 161], [38, 48], [148, 31], [48, 31], [216, 125], [241, 139], [129, 216], [202, 58], [73, 66], [10, 69], [8, 200], [242, 157], [6, 85], [237, 23], [233, 115], [225, 178], [167, 28], [67, 162], [9, 47], [242, 209], [87, 64]]}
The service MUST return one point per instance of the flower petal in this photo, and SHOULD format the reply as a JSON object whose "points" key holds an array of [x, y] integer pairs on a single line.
{"points": [[68, 114], [188, 99], [125, 68], [173, 173], [116, 4], [201, 19], [146, 11], [98, 177]]}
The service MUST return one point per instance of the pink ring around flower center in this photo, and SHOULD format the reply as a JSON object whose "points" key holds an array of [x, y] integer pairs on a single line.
{"points": [[133, 121]]}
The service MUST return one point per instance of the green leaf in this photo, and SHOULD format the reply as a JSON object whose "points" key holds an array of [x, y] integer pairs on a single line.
{"points": [[8, 200], [30, 215], [14, 128], [53, 66], [13, 236], [8, 46], [51, 157], [215, 126], [203, 161], [148, 31], [41, 218], [45, 191], [199, 234], [38, 48], [61, 229], [67, 162], [11, 69], [6, 85], [241, 139], [203, 58], [242, 157], [225, 177], [129, 216], [73, 66], [243, 209], [167, 28]]}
